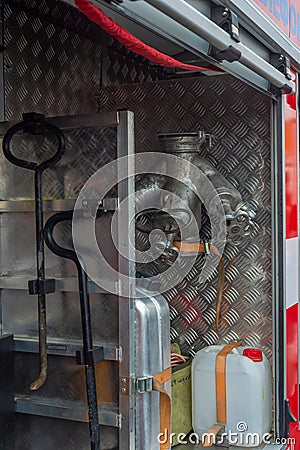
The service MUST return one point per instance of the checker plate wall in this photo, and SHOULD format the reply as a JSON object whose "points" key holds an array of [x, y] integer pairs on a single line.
{"points": [[55, 58], [46, 65], [238, 118], [53, 65]]}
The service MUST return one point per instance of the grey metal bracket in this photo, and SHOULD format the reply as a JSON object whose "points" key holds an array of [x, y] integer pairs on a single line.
{"points": [[94, 356], [41, 286], [283, 64], [228, 21]]}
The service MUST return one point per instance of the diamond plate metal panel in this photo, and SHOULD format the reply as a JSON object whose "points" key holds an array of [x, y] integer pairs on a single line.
{"points": [[19, 316], [56, 12], [120, 66], [86, 151], [55, 59], [48, 68], [238, 118]]}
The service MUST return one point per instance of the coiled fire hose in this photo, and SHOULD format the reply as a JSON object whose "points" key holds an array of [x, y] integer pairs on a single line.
{"points": [[36, 124]]}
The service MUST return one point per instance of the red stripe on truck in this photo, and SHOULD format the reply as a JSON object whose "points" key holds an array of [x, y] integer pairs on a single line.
{"points": [[291, 166], [292, 358]]}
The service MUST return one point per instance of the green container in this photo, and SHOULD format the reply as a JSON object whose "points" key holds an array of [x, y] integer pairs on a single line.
{"points": [[181, 400]]}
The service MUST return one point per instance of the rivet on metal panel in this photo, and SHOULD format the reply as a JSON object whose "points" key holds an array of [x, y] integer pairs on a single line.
{"points": [[126, 386]]}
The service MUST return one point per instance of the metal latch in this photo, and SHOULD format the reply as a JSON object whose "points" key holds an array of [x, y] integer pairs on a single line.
{"points": [[144, 384]]}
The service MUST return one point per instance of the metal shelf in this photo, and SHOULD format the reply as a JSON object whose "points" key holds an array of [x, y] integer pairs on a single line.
{"points": [[54, 205], [63, 348], [65, 409], [69, 284]]}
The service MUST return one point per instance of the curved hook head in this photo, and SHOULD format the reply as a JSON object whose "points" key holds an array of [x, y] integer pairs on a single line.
{"points": [[33, 123]]}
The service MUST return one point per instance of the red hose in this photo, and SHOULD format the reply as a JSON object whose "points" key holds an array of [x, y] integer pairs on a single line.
{"points": [[131, 42]]}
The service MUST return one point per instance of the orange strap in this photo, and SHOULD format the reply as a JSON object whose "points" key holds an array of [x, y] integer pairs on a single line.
{"points": [[196, 247], [221, 380], [220, 394], [210, 436], [165, 405], [200, 247]]}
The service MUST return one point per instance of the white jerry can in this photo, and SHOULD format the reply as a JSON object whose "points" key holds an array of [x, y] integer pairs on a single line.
{"points": [[248, 395]]}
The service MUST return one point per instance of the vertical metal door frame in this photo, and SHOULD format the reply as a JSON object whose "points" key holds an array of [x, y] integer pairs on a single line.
{"points": [[278, 263], [125, 147]]}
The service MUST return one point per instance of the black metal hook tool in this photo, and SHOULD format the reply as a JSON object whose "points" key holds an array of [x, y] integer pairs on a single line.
{"points": [[34, 124], [89, 356]]}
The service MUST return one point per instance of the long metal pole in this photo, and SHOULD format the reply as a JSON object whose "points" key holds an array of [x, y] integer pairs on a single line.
{"points": [[90, 377], [36, 124], [40, 264], [87, 336]]}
